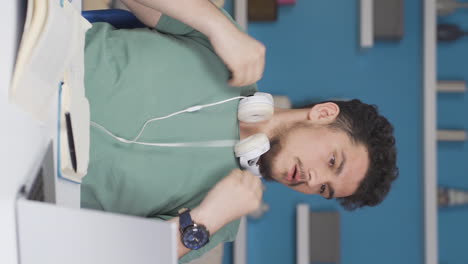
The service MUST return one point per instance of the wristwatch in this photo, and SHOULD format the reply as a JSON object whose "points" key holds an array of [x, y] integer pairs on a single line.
{"points": [[193, 236]]}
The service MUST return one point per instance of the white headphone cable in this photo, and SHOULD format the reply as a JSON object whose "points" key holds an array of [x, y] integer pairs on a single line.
{"points": [[215, 143]]}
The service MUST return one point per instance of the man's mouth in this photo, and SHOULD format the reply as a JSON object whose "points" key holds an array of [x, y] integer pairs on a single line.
{"points": [[292, 176]]}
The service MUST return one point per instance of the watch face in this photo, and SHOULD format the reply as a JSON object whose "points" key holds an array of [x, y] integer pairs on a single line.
{"points": [[195, 236]]}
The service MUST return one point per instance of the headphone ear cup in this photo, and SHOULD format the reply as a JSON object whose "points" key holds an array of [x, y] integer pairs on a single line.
{"points": [[256, 108], [252, 147], [249, 151]]}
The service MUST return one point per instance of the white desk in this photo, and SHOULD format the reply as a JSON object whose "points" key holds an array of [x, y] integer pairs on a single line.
{"points": [[36, 232]]}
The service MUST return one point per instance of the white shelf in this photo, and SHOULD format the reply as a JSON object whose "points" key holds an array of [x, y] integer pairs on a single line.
{"points": [[366, 22], [302, 234], [429, 131], [240, 244], [240, 13]]}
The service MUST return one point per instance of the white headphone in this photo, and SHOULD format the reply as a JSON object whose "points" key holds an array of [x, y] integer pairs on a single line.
{"points": [[252, 109]]}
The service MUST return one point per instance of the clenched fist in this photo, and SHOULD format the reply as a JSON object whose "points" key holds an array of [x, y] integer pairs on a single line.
{"points": [[238, 194], [243, 55]]}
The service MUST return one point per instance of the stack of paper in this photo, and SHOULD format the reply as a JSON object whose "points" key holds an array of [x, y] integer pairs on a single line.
{"points": [[52, 52]]}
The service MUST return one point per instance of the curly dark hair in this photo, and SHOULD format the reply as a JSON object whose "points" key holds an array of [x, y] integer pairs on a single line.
{"points": [[364, 125]]}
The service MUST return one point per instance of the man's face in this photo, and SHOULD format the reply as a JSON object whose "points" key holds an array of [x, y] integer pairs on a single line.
{"points": [[314, 159]]}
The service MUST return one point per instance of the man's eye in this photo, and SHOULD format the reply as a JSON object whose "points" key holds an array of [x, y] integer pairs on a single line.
{"points": [[331, 163], [323, 188]]}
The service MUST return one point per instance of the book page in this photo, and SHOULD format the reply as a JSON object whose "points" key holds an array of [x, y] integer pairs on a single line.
{"points": [[76, 104], [36, 16], [45, 61]]}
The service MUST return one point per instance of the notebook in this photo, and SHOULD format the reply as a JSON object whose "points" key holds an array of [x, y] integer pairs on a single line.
{"points": [[51, 57]]}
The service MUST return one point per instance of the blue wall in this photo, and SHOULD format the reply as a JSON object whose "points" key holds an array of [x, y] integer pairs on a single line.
{"points": [[313, 54], [453, 166]]}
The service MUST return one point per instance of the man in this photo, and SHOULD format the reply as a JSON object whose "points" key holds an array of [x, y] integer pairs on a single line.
{"points": [[334, 149], [337, 149]]}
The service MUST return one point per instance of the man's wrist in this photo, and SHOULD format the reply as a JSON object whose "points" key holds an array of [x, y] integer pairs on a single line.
{"points": [[216, 23], [222, 26], [210, 220]]}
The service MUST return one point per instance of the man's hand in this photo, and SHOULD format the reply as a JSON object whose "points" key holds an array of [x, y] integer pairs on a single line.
{"points": [[243, 55], [239, 194]]}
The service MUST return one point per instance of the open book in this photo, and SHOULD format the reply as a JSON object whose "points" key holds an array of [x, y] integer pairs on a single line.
{"points": [[51, 57]]}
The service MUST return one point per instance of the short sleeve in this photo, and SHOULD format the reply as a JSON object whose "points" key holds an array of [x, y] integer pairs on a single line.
{"points": [[169, 25], [172, 26], [226, 234]]}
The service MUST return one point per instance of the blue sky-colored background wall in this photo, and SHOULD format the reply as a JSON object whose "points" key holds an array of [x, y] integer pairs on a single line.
{"points": [[313, 54]]}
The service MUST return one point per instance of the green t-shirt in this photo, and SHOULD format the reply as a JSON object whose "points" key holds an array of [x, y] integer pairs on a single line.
{"points": [[135, 75]]}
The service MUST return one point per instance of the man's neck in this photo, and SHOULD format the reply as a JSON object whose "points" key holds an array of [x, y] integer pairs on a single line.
{"points": [[281, 117]]}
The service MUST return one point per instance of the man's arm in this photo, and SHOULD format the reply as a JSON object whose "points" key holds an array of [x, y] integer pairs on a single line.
{"points": [[243, 55], [236, 195], [202, 15]]}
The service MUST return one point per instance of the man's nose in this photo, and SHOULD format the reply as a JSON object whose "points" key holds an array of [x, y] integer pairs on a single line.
{"points": [[316, 177], [313, 177]]}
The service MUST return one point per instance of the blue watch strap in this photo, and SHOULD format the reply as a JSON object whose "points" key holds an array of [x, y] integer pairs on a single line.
{"points": [[185, 219]]}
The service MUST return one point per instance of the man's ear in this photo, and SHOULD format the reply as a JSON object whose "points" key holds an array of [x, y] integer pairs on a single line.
{"points": [[324, 113]]}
